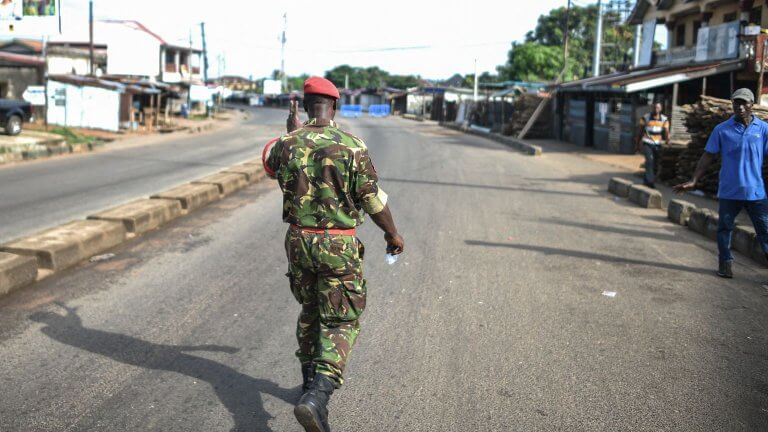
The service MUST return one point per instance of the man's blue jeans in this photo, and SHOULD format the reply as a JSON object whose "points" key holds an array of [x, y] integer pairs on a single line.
{"points": [[652, 158], [729, 209]]}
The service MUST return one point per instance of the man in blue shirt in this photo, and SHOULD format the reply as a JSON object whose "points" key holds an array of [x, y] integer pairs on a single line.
{"points": [[741, 142]]}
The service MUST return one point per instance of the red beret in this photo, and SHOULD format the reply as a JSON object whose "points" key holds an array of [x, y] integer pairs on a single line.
{"points": [[321, 86]]}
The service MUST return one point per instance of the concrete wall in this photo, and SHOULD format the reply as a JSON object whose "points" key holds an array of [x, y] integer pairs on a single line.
{"points": [[17, 79], [59, 65], [86, 107], [130, 51], [683, 10]]}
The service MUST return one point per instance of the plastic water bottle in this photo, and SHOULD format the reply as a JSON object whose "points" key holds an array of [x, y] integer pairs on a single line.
{"points": [[390, 259]]}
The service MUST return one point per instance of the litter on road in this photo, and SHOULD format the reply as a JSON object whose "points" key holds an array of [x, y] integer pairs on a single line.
{"points": [[105, 257], [609, 293]]}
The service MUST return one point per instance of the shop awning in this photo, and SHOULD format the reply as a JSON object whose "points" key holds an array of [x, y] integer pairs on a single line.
{"points": [[644, 79]]}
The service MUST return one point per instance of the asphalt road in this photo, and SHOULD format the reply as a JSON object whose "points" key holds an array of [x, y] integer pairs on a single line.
{"points": [[41, 194], [494, 319]]}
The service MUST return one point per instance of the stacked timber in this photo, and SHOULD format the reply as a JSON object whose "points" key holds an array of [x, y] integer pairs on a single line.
{"points": [[524, 107], [669, 157], [701, 119]]}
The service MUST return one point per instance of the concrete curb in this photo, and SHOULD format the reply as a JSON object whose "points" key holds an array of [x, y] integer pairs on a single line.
{"points": [[25, 260], [226, 182], [16, 271], [191, 196], [679, 211], [142, 215], [700, 220], [619, 187], [66, 245], [644, 196], [529, 149], [253, 172]]}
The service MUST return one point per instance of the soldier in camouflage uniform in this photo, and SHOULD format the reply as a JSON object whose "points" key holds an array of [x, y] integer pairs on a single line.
{"points": [[328, 182]]}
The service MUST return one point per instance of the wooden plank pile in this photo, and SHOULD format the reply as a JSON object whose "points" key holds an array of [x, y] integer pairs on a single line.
{"points": [[669, 157], [524, 106], [701, 119]]}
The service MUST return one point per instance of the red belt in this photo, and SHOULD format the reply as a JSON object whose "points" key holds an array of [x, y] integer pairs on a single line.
{"points": [[331, 231]]}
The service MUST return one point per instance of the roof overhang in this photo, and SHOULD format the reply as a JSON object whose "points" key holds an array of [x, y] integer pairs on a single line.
{"points": [[640, 80], [638, 12]]}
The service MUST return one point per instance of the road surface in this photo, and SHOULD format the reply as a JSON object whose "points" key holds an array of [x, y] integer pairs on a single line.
{"points": [[494, 319], [37, 195]]}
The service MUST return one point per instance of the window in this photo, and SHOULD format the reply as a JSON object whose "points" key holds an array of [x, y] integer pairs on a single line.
{"points": [[680, 35], [756, 15], [170, 61], [729, 17], [696, 27]]}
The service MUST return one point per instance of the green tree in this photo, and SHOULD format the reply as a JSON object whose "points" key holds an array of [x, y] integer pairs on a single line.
{"points": [[296, 82], [338, 74], [403, 81], [370, 77], [544, 45], [531, 61]]}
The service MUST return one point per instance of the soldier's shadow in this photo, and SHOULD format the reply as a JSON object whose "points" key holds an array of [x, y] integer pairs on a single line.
{"points": [[240, 393]]}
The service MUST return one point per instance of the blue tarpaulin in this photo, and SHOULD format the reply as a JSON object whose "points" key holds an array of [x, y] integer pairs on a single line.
{"points": [[351, 110], [378, 110]]}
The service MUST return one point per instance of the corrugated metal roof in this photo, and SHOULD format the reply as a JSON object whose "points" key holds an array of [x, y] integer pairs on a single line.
{"points": [[643, 79], [136, 26], [82, 81], [21, 59]]}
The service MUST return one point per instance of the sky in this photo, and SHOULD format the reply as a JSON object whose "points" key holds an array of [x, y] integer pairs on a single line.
{"points": [[434, 39]]}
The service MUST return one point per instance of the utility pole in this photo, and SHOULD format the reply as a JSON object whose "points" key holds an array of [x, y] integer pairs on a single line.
{"points": [[45, 80], [475, 80], [638, 41], [566, 37], [540, 109], [282, 52], [90, 38], [205, 54], [598, 39]]}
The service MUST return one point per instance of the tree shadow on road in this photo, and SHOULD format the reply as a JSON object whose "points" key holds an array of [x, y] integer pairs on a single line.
{"points": [[492, 187], [589, 256], [613, 229], [240, 393]]}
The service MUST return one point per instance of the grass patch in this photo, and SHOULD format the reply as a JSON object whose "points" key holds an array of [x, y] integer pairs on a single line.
{"points": [[71, 137], [198, 117]]}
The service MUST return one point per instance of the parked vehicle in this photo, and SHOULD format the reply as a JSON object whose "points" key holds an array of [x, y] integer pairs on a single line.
{"points": [[13, 114]]}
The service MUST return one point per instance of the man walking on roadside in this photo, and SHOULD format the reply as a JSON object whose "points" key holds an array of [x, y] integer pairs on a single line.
{"points": [[741, 142], [654, 128], [328, 181]]}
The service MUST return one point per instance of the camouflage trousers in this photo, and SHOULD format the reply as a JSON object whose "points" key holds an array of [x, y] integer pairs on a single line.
{"points": [[326, 278]]}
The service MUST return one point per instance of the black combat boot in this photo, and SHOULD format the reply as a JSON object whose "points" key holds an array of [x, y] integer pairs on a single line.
{"points": [[312, 410], [725, 270], [307, 373]]}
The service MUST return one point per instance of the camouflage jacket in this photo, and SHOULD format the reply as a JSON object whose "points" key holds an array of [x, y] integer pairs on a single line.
{"points": [[326, 176]]}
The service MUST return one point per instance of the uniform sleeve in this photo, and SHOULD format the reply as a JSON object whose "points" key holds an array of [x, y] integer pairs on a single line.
{"points": [[272, 162], [713, 143], [365, 188]]}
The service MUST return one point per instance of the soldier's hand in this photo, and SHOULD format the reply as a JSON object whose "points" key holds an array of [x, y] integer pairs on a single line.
{"points": [[682, 187], [293, 122], [395, 244]]}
